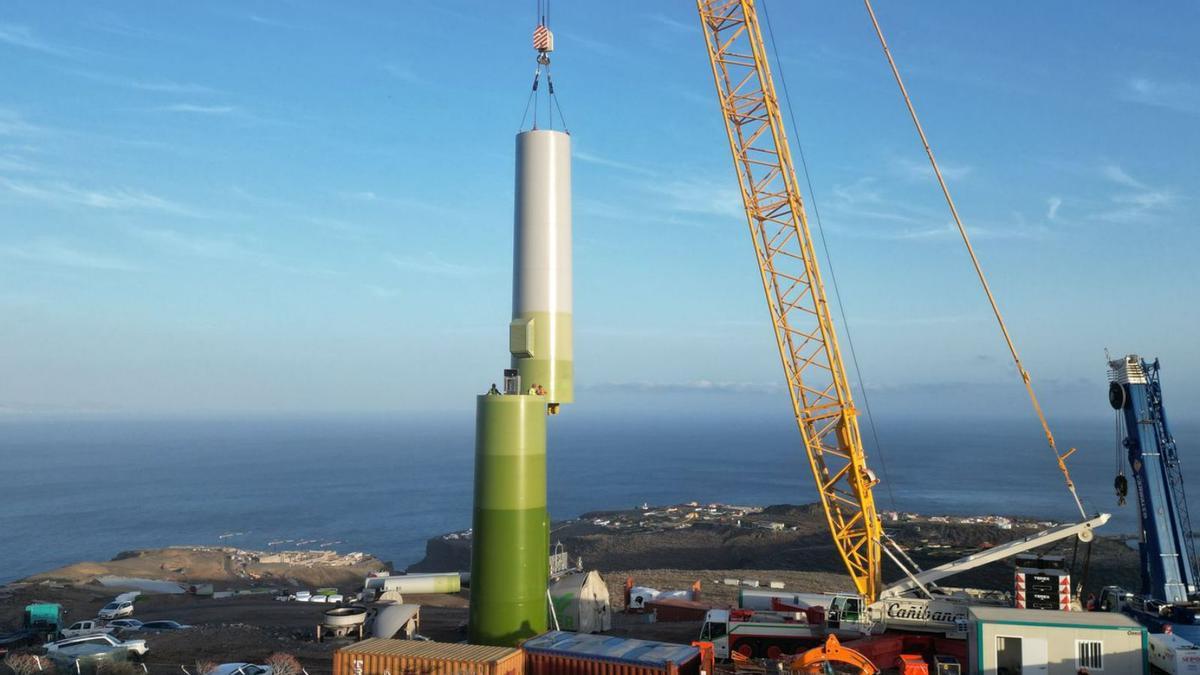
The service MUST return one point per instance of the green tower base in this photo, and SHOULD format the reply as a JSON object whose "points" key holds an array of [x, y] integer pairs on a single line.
{"points": [[511, 530]]}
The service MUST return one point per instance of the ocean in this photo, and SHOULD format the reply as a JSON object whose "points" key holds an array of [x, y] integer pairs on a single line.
{"points": [[87, 488]]}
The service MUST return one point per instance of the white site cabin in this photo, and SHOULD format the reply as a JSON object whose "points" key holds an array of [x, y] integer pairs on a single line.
{"points": [[1036, 642]]}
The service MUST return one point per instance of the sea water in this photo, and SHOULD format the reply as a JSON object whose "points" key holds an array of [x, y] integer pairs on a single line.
{"points": [[88, 488]]}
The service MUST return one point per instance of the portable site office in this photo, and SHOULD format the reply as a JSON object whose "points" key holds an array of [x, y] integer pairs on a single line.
{"points": [[1003, 640]]}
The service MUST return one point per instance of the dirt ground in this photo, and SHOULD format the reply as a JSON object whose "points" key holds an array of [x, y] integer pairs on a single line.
{"points": [[242, 628]]}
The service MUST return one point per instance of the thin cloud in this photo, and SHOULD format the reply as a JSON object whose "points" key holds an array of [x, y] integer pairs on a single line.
{"points": [[384, 293], [915, 170], [1052, 206], [52, 252], [592, 44], [64, 194], [16, 164], [268, 21], [950, 319], [201, 246], [225, 249], [1139, 202], [925, 233], [1119, 176], [700, 196], [1178, 96], [590, 158], [199, 109], [673, 24], [875, 215], [698, 386], [430, 263], [862, 200], [372, 197], [13, 123], [18, 35], [157, 86], [403, 72]]}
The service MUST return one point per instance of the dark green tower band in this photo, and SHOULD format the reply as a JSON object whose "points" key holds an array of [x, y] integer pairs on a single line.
{"points": [[511, 535]]}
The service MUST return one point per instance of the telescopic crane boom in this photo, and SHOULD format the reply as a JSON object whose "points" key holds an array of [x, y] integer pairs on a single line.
{"points": [[804, 331], [1170, 595]]}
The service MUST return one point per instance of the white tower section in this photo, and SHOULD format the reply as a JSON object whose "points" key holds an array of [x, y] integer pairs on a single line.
{"points": [[540, 335]]}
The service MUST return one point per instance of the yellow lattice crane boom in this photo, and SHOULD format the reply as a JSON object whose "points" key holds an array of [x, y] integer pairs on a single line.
{"points": [[804, 331]]}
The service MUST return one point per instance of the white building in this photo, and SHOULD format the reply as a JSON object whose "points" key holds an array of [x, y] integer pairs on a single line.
{"points": [[1007, 641]]}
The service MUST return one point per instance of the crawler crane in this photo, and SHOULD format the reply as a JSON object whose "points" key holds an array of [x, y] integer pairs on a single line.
{"points": [[816, 374]]}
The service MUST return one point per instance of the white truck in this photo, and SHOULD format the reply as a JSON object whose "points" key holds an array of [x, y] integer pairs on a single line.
{"points": [[89, 627], [136, 648], [789, 628]]}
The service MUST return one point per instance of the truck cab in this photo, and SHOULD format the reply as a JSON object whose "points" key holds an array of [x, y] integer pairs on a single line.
{"points": [[714, 630], [44, 619], [1114, 599]]}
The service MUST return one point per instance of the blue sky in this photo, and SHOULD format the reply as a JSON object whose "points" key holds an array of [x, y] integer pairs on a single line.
{"points": [[301, 206]]}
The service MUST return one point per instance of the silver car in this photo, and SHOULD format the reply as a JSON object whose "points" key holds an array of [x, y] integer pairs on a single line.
{"points": [[136, 647]]}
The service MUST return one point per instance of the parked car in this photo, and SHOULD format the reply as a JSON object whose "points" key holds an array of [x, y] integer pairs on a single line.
{"points": [[87, 659], [123, 625], [240, 669], [137, 647], [89, 627], [116, 610], [156, 626]]}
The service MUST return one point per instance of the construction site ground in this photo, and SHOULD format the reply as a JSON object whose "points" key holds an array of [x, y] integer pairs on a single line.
{"points": [[251, 627]]}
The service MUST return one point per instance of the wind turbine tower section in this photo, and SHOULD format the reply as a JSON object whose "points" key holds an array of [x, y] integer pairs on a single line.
{"points": [[510, 538], [540, 335]]}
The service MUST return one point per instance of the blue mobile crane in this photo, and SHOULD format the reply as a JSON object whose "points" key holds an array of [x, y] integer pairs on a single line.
{"points": [[1167, 601]]}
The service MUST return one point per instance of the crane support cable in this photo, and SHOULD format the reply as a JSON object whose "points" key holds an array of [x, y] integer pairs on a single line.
{"points": [[1012, 348]]}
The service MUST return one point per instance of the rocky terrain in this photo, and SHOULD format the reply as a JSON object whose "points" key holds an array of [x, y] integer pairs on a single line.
{"points": [[792, 541], [224, 567]]}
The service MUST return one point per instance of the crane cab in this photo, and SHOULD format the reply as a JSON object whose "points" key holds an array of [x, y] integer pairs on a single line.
{"points": [[844, 611]]}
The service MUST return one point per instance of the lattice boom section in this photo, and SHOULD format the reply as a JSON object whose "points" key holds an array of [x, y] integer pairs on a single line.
{"points": [[799, 312]]}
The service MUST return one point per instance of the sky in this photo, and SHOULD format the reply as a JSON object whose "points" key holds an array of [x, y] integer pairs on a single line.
{"points": [[298, 207]]}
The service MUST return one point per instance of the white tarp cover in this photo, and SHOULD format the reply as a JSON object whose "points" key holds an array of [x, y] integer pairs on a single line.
{"points": [[581, 602]]}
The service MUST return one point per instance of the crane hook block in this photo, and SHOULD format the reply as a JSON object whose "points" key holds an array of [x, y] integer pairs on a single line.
{"points": [[543, 39]]}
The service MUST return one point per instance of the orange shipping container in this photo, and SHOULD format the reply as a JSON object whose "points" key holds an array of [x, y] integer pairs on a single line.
{"points": [[407, 657]]}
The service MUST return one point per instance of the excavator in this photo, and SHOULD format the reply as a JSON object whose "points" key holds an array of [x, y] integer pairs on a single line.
{"points": [[817, 661], [812, 359]]}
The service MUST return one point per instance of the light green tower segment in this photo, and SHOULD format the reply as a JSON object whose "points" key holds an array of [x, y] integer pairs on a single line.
{"points": [[511, 530]]}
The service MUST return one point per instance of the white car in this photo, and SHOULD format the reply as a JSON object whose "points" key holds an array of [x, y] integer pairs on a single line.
{"points": [[134, 646], [89, 627], [240, 669], [116, 610]]}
